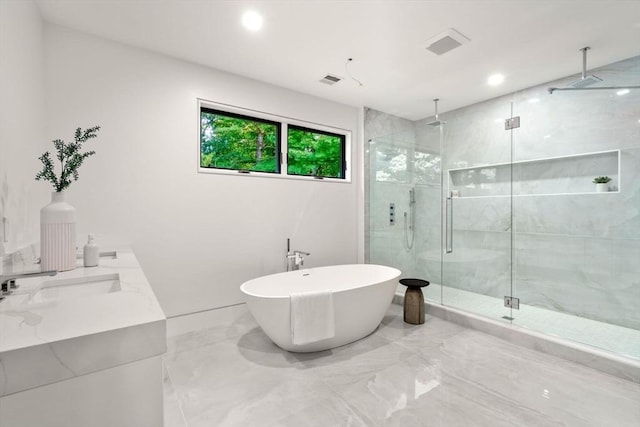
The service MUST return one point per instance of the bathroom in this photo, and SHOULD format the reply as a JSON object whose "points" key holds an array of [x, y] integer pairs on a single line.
{"points": [[199, 236]]}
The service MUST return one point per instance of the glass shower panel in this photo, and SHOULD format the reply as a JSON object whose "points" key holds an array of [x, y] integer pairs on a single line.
{"points": [[391, 178], [427, 173], [576, 250], [516, 212], [476, 208], [404, 191]]}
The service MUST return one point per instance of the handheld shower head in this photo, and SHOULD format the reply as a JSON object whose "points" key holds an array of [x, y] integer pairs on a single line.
{"points": [[410, 220]]}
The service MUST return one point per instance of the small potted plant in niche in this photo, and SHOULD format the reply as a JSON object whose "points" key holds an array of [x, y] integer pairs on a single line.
{"points": [[58, 219], [601, 183]]}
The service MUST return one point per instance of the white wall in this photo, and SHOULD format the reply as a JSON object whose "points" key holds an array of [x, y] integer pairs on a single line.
{"points": [[197, 236], [22, 124]]}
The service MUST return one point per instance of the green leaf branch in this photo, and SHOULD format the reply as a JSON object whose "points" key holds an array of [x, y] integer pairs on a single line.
{"points": [[70, 157]]}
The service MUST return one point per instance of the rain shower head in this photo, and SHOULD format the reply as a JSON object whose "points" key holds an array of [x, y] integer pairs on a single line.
{"points": [[585, 80], [436, 122]]}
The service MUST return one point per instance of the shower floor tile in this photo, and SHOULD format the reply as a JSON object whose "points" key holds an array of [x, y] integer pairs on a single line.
{"points": [[436, 374]]}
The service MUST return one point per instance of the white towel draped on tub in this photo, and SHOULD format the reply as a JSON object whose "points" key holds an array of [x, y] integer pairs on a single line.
{"points": [[311, 317]]}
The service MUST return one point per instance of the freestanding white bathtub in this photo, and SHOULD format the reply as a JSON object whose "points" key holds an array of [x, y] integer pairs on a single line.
{"points": [[362, 294]]}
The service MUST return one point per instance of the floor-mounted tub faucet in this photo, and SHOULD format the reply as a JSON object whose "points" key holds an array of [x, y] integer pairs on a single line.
{"points": [[8, 281], [295, 258]]}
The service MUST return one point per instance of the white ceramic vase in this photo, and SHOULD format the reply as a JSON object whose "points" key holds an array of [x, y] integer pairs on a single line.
{"points": [[58, 234], [602, 187]]}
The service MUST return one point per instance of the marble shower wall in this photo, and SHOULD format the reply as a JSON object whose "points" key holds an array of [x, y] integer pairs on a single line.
{"points": [[401, 156], [574, 250]]}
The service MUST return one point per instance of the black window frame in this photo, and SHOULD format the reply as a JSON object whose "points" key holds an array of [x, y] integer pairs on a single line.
{"points": [[282, 125], [278, 149], [343, 148]]}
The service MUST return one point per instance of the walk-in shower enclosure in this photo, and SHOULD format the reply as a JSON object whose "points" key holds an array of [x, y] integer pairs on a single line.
{"points": [[506, 211]]}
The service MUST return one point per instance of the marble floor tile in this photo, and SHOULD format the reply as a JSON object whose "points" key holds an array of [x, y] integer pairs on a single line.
{"points": [[321, 411], [609, 337], [424, 338], [198, 338], [435, 374], [569, 393], [172, 413], [419, 392]]}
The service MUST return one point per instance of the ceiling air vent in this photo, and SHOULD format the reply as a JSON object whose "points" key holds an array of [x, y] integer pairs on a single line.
{"points": [[330, 79], [446, 41]]}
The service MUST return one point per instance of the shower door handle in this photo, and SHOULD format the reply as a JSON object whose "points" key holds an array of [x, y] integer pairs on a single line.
{"points": [[448, 224]]}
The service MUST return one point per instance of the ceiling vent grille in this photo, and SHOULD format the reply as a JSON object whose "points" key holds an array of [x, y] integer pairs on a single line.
{"points": [[330, 79], [446, 41]]}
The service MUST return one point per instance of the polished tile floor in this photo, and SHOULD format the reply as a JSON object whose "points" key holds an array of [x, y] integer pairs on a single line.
{"points": [[613, 338], [436, 374]]}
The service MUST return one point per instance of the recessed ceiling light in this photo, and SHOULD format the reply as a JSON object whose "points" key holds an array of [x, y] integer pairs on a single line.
{"points": [[534, 100], [622, 92], [495, 79], [252, 20]]}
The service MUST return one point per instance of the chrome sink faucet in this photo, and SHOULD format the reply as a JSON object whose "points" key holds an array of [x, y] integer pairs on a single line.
{"points": [[295, 258], [8, 281]]}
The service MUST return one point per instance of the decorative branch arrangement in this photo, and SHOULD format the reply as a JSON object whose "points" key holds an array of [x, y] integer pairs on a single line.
{"points": [[70, 157]]}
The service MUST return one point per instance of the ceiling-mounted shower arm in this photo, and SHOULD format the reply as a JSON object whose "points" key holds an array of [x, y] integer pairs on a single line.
{"points": [[588, 80], [437, 121], [584, 61], [553, 89]]}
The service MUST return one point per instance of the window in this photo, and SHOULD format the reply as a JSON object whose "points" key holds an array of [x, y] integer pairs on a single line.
{"points": [[315, 153], [237, 142], [234, 140]]}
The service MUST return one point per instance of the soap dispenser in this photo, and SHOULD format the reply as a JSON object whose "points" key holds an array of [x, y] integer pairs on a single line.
{"points": [[91, 252]]}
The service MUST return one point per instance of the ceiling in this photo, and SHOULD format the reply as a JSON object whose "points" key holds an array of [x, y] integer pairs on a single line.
{"points": [[529, 41]]}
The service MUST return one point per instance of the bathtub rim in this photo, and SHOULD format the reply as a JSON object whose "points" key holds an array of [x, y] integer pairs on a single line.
{"points": [[396, 274]]}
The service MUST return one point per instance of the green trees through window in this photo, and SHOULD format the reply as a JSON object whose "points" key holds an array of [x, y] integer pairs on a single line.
{"points": [[314, 153], [248, 144], [237, 142]]}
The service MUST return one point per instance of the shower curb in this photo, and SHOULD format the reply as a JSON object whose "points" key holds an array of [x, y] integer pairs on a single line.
{"points": [[601, 360]]}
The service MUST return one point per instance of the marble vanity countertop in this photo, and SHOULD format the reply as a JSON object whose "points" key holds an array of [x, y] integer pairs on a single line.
{"points": [[56, 335]]}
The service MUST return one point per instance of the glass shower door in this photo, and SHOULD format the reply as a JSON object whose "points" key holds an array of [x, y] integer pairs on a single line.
{"points": [[577, 249], [476, 200]]}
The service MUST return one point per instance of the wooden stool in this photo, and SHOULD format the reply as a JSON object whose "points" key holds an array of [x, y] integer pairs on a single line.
{"points": [[414, 301]]}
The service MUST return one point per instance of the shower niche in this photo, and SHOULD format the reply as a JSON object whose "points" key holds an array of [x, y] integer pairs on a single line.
{"points": [[562, 175]]}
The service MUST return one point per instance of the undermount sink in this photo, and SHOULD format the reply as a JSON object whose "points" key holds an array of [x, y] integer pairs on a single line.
{"points": [[77, 287]]}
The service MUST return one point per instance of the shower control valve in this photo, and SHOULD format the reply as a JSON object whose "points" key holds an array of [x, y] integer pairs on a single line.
{"points": [[392, 213]]}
